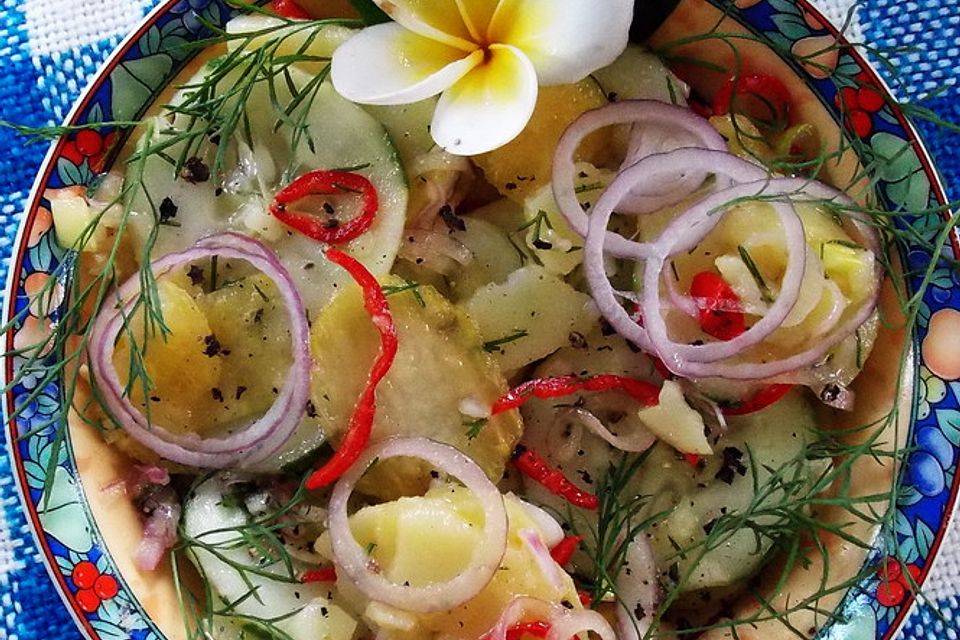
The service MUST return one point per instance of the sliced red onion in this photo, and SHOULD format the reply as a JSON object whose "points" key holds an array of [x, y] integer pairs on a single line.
{"points": [[564, 623], [648, 171], [570, 623], [664, 130], [680, 300], [837, 307], [434, 250], [639, 440], [683, 234], [686, 232], [162, 511], [353, 562], [704, 363], [638, 589], [245, 445], [541, 555], [641, 198], [550, 529]]}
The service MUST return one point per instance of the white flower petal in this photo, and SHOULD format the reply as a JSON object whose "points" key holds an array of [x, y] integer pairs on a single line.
{"points": [[477, 15], [438, 20], [489, 106], [565, 39], [387, 64]]}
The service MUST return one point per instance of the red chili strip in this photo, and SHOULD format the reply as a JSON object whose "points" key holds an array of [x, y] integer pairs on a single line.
{"points": [[290, 9], [327, 574], [760, 400], [325, 183], [521, 630], [644, 392], [763, 87], [563, 551], [693, 459], [585, 598], [532, 465], [361, 422], [721, 314]]}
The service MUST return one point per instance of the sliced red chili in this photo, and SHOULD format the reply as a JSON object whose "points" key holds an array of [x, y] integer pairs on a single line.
{"points": [[290, 9], [585, 599], [361, 422], [721, 314], [532, 465], [327, 574], [761, 87], [325, 183], [760, 400], [693, 459], [522, 630], [556, 387], [563, 551]]}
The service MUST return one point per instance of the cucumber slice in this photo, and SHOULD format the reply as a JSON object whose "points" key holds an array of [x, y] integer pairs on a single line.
{"points": [[338, 134], [691, 496], [695, 497], [640, 74], [440, 371], [300, 611]]}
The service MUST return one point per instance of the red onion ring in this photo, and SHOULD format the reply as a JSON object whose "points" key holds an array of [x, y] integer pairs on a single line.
{"points": [[352, 561], [564, 623], [643, 198], [648, 171], [247, 445], [683, 234], [687, 231], [705, 362]]}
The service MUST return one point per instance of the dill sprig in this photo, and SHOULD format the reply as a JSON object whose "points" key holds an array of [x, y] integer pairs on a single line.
{"points": [[620, 520], [213, 108], [264, 556]]}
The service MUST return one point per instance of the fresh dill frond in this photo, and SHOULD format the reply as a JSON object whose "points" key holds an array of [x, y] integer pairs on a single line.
{"points": [[475, 427], [495, 346], [408, 285]]}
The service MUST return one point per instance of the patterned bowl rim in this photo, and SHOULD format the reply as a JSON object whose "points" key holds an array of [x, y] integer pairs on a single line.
{"points": [[60, 560]]}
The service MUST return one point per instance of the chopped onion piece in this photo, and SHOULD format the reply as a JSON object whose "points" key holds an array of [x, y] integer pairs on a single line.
{"points": [[643, 197], [639, 440], [639, 590], [541, 555]]}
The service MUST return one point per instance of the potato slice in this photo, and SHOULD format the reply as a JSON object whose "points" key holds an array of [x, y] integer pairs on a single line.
{"points": [[430, 538], [529, 316], [440, 369]]}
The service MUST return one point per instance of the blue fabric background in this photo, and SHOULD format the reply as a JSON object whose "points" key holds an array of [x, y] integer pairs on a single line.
{"points": [[38, 90]]}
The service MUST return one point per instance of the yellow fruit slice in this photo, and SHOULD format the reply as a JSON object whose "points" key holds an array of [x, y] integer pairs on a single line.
{"points": [[523, 165], [174, 396]]}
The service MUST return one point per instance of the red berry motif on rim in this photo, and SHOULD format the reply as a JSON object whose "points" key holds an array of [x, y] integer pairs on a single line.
{"points": [[894, 583], [93, 587], [88, 145], [858, 103]]}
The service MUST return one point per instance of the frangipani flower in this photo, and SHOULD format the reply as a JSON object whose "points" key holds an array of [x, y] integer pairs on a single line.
{"points": [[485, 57]]}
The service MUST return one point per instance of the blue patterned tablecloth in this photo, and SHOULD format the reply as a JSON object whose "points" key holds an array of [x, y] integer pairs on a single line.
{"points": [[50, 48]]}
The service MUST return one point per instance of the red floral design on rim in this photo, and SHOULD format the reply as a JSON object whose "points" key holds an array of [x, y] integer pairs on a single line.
{"points": [[89, 145], [93, 587], [858, 103], [896, 581]]}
